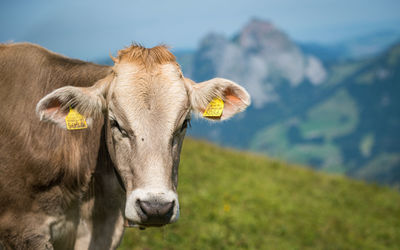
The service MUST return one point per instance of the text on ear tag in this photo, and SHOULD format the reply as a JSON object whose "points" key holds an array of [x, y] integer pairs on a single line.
{"points": [[74, 120], [214, 108]]}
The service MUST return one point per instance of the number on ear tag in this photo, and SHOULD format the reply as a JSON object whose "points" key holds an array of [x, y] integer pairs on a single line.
{"points": [[74, 120], [214, 108]]}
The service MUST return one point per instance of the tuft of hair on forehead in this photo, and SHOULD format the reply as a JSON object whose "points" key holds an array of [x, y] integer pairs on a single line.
{"points": [[145, 56]]}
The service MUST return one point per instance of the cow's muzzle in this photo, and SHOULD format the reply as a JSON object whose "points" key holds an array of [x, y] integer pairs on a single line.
{"points": [[152, 208], [154, 213]]}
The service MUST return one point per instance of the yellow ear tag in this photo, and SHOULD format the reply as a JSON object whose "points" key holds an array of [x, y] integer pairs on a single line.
{"points": [[214, 108], [74, 120]]}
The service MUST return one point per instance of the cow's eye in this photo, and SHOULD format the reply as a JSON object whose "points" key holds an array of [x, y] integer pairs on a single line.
{"points": [[115, 125], [185, 124]]}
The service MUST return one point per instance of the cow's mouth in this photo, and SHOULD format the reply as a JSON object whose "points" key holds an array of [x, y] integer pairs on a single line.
{"points": [[130, 224]]}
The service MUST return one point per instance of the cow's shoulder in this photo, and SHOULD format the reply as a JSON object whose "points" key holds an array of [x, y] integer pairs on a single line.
{"points": [[25, 51], [39, 57]]}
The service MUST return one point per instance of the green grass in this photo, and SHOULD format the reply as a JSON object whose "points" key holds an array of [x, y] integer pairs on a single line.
{"points": [[236, 200], [273, 141], [341, 71], [384, 167], [366, 144], [394, 56], [335, 117]]}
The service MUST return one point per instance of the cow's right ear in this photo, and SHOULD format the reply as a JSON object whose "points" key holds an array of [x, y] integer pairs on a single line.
{"points": [[54, 107]]}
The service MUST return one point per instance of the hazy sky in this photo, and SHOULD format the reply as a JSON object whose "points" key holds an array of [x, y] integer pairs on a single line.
{"points": [[90, 29]]}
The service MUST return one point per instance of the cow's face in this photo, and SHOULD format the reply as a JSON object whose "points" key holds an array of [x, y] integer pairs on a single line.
{"points": [[146, 104], [148, 113]]}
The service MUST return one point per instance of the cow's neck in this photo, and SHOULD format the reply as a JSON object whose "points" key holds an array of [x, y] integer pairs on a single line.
{"points": [[104, 199], [79, 152]]}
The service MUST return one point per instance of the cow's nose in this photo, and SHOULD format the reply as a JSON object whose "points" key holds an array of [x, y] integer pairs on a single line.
{"points": [[155, 212]]}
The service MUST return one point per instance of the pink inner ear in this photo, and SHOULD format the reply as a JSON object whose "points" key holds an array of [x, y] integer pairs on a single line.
{"points": [[54, 108], [233, 103], [232, 99]]}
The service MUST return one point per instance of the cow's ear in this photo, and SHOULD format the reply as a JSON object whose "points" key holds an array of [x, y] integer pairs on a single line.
{"points": [[55, 106], [235, 98]]}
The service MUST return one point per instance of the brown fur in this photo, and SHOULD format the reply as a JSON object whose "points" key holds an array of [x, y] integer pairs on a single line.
{"points": [[48, 172], [44, 170]]}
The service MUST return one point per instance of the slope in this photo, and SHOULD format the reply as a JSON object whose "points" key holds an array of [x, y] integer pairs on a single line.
{"points": [[354, 129], [237, 200]]}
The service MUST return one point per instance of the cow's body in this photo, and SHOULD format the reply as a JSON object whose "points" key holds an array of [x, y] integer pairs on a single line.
{"points": [[46, 174], [77, 189]]}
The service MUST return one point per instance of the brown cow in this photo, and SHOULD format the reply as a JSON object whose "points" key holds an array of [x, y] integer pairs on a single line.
{"points": [[64, 189]]}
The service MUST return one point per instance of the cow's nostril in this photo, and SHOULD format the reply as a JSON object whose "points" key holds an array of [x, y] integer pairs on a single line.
{"points": [[156, 212], [155, 208]]}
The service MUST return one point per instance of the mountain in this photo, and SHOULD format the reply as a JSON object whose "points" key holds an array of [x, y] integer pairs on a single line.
{"points": [[341, 116], [326, 53], [360, 47], [260, 57], [376, 89], [281, 79], [237, 200], [353, 130]]}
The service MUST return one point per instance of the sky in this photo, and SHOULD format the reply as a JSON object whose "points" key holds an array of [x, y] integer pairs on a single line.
{"points": [[90, 29]]}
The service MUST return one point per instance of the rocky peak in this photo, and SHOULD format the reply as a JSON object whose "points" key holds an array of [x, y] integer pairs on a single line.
{"points": [[260, 57], [259, 35]]}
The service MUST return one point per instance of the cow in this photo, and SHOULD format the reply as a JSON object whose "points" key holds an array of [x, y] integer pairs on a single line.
{"points": [[87, 150]]}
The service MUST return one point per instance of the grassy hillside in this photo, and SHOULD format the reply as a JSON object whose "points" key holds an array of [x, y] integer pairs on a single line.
{"points": [[235, 200]]}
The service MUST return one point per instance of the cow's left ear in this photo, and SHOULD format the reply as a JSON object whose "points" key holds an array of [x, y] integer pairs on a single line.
{"points": [[235, 98], [55, 106]]}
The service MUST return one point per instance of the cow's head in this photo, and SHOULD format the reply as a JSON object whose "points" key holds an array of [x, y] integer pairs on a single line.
{"points": [[147, 106]]}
